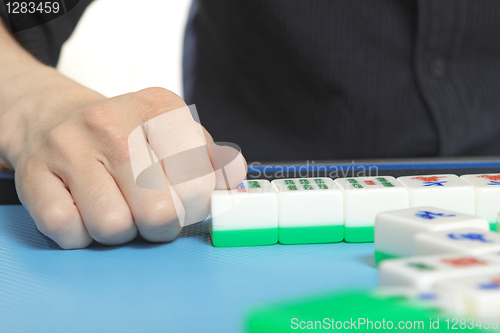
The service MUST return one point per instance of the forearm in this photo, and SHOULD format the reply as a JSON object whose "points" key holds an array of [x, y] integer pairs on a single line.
{"points": [[14, 64], [30, 92]]}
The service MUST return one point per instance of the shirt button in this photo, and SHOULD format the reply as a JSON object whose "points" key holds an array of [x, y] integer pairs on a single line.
{"points": [[437, 67]]}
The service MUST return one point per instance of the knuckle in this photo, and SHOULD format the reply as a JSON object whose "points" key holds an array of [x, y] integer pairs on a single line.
{"points": [[157, 214], [55, 219], [63, 146], [158, 94], [118, 149], [29, 172], [111, 227], [105, 124], [60, 138], [99, 118], [159, 100], [198, 189], [58, 222]]}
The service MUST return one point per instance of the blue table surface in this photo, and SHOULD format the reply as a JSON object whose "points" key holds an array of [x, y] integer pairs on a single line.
{"points": [[184, 286]]}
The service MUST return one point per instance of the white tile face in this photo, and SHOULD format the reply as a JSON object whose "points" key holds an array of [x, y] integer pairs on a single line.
{"points": [[481, 295], [253, 204], [422, 273], [306, 202], [466, 241], [365, 197], [442, 191], [395, 230], [487, 190], [493, 256]]}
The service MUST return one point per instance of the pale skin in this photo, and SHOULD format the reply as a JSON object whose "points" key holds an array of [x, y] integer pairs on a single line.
{"points": [[68, 146]]}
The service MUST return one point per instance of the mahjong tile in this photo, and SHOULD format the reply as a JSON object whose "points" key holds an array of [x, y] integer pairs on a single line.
{"points": [[364, 198], [441, 191], [395, 230], [466, 241], [310, 210], [423, 272], [247, 215], [487, 191], [481, 295]]}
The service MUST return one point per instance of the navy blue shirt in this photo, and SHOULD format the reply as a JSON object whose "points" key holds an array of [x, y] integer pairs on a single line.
{"points": [[343, 79]]}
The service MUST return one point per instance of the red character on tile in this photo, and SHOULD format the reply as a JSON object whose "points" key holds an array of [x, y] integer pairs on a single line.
{"points": [[429, 179], [464, 262], [490, 177]]}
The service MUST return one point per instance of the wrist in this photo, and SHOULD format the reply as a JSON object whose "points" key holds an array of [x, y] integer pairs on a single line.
{"points": [[31, 99], [15, 86], [31, 94]]}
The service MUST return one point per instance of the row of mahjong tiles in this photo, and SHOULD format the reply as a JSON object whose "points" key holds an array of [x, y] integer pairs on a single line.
{"points": [[322, 210]]}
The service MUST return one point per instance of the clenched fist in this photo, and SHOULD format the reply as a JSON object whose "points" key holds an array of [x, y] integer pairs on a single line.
{"points": [[92, 168]]}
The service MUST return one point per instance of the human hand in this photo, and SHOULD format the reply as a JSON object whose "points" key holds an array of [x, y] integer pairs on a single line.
{"points": [[72, 158]]}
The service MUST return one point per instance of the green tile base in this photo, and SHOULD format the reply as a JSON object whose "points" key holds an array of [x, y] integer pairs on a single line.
{"points": [[245, 237], [493, 226], [359, 234], [379, 256], [311, 235]]}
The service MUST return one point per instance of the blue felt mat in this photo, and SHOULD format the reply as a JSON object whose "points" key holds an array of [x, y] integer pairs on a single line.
{"points": [[184, 286]]}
